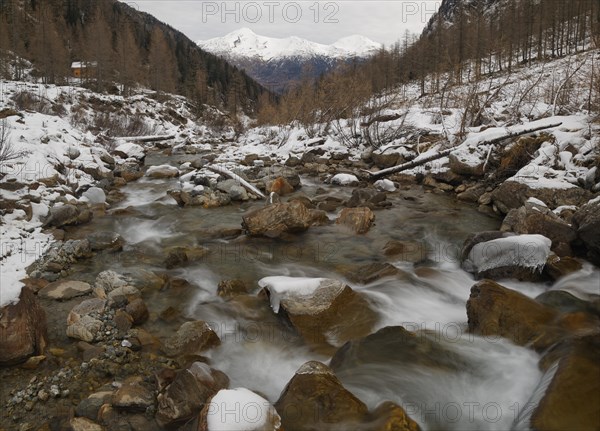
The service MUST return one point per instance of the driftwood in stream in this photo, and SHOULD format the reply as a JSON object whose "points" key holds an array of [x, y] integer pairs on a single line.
{"points": [[444, 153], [232, 175]]}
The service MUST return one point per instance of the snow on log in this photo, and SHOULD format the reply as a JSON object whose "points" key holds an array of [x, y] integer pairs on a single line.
{"points": [[422, 160], [150, 138]]}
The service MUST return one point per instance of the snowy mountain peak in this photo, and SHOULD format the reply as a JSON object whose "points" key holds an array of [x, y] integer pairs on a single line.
{"points": [[245, 44]]}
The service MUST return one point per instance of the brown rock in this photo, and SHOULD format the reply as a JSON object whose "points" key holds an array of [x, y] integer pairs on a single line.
{"points": [[138, 311], [358, 219], [65, 289], [314, 399], [389, 416], [275, 219], [187, 393], [64, 215], [512, 194], [123, 295], [22, 329], [133, 396], [280, 186], [572, 399], [471, 194], [558, 267], [35, 284], [178, 256], [192, 338], [532, 218], [106, 240], [395, 344], [123, 321], [384, 161], [331, 315], [587, 223], [84, 424], [33, 362], [496, 310]]}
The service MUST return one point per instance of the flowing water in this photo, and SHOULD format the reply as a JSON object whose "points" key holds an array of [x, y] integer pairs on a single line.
{"points": [[490, 384]]}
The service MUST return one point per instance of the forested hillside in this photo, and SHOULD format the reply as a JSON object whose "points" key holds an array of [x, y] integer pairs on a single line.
{"points": [[464, 42], [130, 48]]}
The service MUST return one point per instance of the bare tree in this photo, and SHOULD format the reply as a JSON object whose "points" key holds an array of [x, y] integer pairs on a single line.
{"points": [[7, 150]]}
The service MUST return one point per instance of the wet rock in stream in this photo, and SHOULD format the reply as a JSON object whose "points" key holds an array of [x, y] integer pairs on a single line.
{"points": [[276, 219], [314, 399], [323, 311]]}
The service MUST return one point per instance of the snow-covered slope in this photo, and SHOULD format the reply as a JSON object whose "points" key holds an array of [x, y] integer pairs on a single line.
{"points": [[244, 43]]}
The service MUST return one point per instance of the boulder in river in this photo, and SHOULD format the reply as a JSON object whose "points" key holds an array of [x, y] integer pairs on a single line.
{"points": [[494, 310], [106, 240], [358, 219], [276, 219], [23, 330], [506, 255], [395, 344], [323, 311], [162, 171], [314, 399], [572, 398], [279, 185]]}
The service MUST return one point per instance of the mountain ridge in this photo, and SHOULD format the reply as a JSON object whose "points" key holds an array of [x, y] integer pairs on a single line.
{"points": [[247, 44], [282, 63]]}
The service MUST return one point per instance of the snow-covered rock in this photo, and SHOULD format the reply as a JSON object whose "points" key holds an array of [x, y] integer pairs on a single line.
{"points": [[94, 195], [162, 171], [385, 185], [322, 310], [344, 180], [129, 149], [240, 409], [509, 256]]}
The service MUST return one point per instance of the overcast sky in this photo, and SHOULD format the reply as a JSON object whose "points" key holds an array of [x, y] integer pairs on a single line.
{"points": [[322, 21]]}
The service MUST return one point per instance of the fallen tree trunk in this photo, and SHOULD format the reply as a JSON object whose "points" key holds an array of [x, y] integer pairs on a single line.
{"points": [[243, 182], [153, 138], [444, 153]]}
